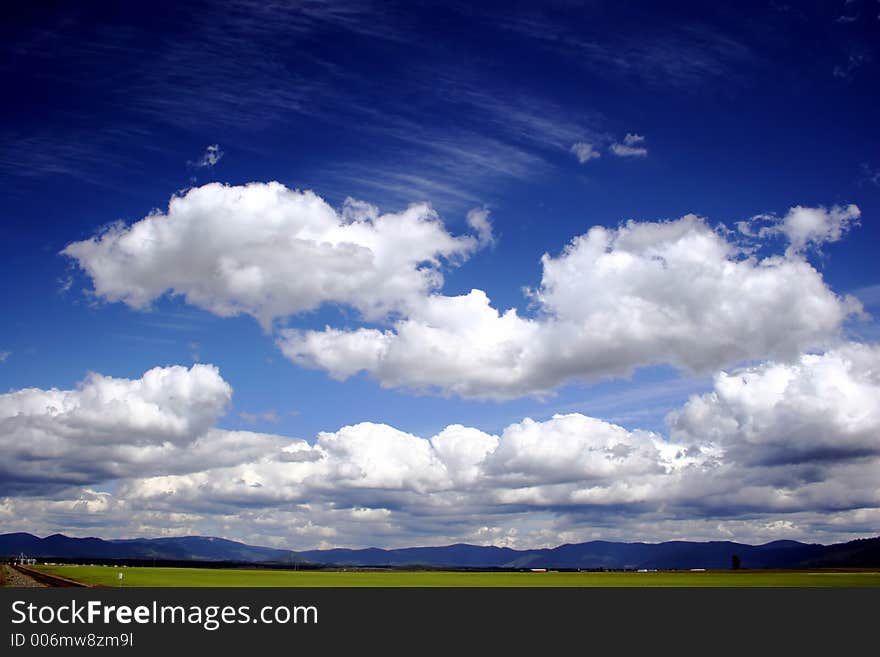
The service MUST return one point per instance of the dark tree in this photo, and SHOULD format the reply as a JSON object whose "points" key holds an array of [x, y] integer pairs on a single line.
{"points": [[735, 562]]}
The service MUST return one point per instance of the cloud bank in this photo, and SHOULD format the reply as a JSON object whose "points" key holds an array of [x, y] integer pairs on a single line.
{"points": [[788, 447], [676, 292]]}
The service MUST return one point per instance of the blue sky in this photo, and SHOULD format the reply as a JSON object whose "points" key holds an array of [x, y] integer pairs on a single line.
{"points": [[544, 119]]}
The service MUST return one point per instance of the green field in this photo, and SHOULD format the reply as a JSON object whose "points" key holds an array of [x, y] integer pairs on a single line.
{"points": [[108, 576]]}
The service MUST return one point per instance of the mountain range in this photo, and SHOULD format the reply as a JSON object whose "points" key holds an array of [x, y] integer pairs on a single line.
{"points": [[591, 555]]}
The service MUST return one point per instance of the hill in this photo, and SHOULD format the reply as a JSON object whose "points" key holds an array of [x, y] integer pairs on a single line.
{"points": [[187, 548], [592, 555]]}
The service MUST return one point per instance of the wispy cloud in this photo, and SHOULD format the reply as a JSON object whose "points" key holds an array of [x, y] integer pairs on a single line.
{"points": [[584, 152], [65, 283], [630, 147], [868, 295], [270, 416], [361, 17], [209, 158], [4, 355], [232, 69], [856, 58], [226, 70], [143, 339], [456, 168], [850, 13], [499, 135], [869, 174], [521, 117], [82, 155], [229, 70], [389, 186], [654, 398], [682, 55]]}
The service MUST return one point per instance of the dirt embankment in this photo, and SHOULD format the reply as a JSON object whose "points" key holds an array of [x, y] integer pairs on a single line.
{"points": [[11, 577]]}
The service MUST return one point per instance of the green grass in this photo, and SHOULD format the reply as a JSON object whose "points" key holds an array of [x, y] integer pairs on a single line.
{"points": [[107, 576]]}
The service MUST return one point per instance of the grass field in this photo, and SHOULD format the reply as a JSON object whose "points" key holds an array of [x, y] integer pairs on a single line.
{"points": [[107, 576]]}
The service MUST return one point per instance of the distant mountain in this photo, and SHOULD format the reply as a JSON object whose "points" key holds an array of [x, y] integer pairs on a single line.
{"points": [[595, 554], [861, 553], [187, 548], [592, 555]]}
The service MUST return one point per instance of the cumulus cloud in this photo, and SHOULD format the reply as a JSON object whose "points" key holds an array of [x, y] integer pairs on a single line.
{"points": [[166, 403], [590, 472], [585, 152], [569, 460], [668, 292], [478, 220], [268, 251], [814, 226], [675, 292], [110, 427], [632, 146], [774, 450], [822, 408], [804, 227]]}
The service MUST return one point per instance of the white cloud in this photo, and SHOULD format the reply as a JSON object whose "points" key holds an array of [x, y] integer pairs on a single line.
{"points": [[775, 450], [585, 152], [631, 146], [4, 355], [585, 473], [269, 251], [569, 460], [804, 227], [210, 157], [820, 409], [110, 427], [673, 292], [170, 403], [478, 220]]}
